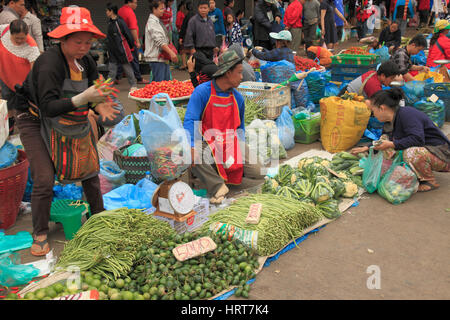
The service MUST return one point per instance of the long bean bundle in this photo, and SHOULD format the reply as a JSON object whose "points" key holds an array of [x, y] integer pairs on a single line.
{"points": [[282, 220], [107, 243], [253, 110]]}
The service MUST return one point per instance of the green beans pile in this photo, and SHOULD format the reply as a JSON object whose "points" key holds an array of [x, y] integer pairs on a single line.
{"points": [[253, 110], [107, 242], [282, 220]]}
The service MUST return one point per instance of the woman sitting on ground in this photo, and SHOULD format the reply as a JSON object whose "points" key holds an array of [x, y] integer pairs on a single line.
{"points": [[425, 147]]}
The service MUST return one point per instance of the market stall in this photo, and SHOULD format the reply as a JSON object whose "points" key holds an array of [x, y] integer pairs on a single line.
{"points": [[161, 239]]}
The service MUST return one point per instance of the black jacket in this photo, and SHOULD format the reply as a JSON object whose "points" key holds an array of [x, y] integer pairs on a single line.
{"points": [[116, 50], [43, 85], [262, 24]]}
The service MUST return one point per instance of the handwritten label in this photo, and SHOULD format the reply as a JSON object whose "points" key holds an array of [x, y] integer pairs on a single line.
{"points": [[434, 98], [194, 248], [254, 214]]}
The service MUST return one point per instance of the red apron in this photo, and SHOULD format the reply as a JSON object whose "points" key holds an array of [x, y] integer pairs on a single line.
{"points": [[220, 121]]}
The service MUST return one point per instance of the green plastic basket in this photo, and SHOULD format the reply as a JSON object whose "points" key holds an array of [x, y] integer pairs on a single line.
{"points": [[355, 59], [307, 130]]}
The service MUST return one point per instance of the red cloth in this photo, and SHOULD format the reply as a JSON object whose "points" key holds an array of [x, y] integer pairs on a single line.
{"points": [[128, 15], [436, 54], [293, 15], [179, 20], [424, 5], [167, 18], [14, 69], [373, 85], [363, 14], [392, 7]]}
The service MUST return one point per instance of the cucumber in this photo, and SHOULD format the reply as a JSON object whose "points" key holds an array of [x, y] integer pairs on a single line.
{"points": [[348, 156]]}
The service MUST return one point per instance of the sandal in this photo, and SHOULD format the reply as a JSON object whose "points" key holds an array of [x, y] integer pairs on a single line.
{"points": [[428, 186], [43, 248]]}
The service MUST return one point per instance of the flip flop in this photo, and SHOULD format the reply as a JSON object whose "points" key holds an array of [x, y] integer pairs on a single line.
{"points": [[429, 184], [43, 248]]}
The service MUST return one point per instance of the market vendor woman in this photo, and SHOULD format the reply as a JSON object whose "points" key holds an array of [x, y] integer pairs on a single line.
{"points": [[372, 81], [54, 126], [214, 115], [425, 147]]}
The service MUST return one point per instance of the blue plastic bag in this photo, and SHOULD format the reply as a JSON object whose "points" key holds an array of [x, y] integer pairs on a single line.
{"points": [[419, 59], [111, 176], [165, 139], [382, 52], [15, 242], [277, 72], [8, 154], [67, 192], [331, 90], [286, 129], [300, 94], [414, 90], [123, 133], [131, 196], [316, 85], [12, 273]]}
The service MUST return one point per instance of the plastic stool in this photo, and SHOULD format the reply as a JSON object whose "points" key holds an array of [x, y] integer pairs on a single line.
{"points": [[69, 214]]}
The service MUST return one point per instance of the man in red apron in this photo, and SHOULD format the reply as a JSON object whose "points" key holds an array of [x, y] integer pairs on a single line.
{"points": [[215, 120]]}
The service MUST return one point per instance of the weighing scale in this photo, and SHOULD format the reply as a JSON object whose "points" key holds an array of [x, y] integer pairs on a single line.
{"points": [[174, 199], [441, 63]]}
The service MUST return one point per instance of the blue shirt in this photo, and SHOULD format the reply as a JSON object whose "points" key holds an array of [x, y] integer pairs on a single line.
{"points": [[276, 54], [340, 6], [197, 104], [217, 17]]}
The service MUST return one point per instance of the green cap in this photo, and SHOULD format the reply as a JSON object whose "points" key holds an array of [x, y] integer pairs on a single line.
{"points": [[227, 60], [282, 35]]}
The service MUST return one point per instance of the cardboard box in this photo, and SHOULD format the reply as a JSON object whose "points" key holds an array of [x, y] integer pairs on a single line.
{"points": [[193, 223]]}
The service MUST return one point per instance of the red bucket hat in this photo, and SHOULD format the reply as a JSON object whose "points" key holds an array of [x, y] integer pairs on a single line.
{"points": [[75, 19]]}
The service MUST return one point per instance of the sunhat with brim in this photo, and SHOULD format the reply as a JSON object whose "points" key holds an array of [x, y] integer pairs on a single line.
{"points": [[282, 35], [75, 19], [441, 25], [227, 60]]}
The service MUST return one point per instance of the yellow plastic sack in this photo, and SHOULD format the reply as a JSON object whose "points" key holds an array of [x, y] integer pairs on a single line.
{"points": [[343, 122], [437, 77]]}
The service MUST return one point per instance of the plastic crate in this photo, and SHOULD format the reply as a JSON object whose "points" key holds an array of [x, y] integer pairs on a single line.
{"points": [[263, 94], [442, 90], [355, 59], [13, 181], [340, 73], [307, 130]]}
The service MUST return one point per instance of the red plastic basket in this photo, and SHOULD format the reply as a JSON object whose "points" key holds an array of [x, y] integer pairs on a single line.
{"points": [[13, 181]]}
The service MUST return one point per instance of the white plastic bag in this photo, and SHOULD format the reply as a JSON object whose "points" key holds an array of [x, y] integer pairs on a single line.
{"points": [[4, 125]]}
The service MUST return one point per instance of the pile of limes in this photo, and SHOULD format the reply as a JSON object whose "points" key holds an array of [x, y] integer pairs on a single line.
{"points": [[157, 275]]}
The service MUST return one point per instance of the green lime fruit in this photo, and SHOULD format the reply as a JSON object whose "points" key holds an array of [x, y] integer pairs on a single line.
{"points": [[40, 294], [30, 296], [50, 292], [127, 295], [96, 283], [120, 283], [115, 296]]}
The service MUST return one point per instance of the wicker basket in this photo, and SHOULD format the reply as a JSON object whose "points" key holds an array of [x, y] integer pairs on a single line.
{"points": [[263, 94], [135, 167], [13, 181]]}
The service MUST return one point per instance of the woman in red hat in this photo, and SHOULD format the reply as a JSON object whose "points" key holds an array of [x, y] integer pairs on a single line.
{"points": [[55, 130]]}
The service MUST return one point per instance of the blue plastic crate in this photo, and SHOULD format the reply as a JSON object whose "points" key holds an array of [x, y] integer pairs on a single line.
{"points": [[442, 90], [349, 72]]}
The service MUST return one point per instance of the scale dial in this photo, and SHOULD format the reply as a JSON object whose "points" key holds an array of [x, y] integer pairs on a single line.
{"points": [[181, 197]]}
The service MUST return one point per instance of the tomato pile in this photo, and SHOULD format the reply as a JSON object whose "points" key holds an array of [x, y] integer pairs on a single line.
{"points": [[357, 50], [304, 64], [174, 88]]}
